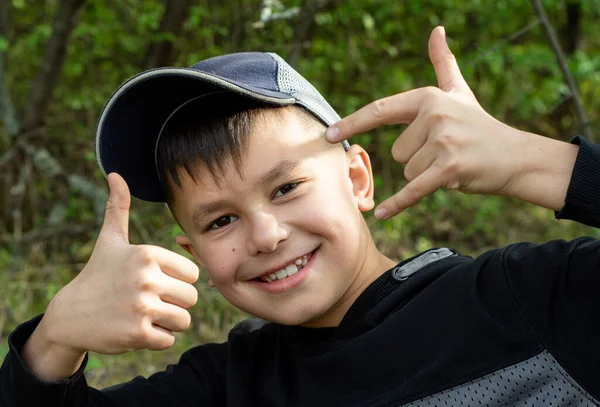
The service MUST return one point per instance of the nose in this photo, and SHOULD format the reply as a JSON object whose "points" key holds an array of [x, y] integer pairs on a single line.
{"points": [[266, 233]]}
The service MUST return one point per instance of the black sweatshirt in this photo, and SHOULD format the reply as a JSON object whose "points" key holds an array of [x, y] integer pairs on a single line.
{"points": [[515, 326]]}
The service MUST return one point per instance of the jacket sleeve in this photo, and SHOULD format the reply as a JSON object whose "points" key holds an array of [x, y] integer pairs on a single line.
{"points": [[583, 195], [556, 284], [197, 379], [556, 287]]}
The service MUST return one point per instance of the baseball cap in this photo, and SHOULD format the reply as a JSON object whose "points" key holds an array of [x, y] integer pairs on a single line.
{"points": [[130, 124]]}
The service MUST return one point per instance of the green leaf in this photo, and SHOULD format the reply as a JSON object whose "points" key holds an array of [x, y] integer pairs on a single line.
{"points": [[3, 44], [368, 21]]}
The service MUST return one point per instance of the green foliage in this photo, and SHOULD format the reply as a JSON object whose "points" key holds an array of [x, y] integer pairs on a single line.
{"points": [[356, 51]]}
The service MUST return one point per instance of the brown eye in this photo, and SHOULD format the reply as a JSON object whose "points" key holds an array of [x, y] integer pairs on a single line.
{"points": [[285, 189], [222, 222]]}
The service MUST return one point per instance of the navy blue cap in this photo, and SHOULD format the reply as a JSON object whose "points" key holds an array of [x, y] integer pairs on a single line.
{"points": [[130, 123]]}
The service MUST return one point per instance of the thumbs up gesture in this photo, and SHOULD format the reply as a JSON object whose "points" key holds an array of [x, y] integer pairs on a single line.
{"points": [[452, 142], [127, 297]]}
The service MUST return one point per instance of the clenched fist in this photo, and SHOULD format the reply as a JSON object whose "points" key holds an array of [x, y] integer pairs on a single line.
{"points": [[127, 297]]}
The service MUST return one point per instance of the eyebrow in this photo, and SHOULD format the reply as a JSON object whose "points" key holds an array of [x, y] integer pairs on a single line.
{"points": [[283, 169]]}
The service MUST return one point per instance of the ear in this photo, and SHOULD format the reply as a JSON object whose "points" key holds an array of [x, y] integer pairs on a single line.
{"points": [[361, 176], [188, 246]]}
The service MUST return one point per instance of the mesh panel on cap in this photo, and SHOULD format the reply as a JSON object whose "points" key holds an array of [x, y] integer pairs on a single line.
{"points": [[292, 82]]}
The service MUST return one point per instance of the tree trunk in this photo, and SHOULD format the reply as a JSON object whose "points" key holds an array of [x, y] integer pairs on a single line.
{"points": [[160, 53], [51, 63], [8, 115]]}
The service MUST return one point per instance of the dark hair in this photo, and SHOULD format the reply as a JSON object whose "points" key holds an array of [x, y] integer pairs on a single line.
{"points": [[209, 131]]}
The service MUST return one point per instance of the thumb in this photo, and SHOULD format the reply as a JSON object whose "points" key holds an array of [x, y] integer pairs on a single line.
{"points": [[116, 217], [446, 69]]}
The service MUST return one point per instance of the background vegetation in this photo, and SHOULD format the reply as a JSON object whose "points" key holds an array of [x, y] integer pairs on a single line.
{"points": [[61, 59]]}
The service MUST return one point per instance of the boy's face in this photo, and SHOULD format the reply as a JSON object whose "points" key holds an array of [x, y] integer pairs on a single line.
{"points": [[282, 237]]}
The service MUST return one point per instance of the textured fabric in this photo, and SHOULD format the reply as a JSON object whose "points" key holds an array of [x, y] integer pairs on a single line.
{"points": [[514, 326], [537, 381], [448, 327], [583, 194]]}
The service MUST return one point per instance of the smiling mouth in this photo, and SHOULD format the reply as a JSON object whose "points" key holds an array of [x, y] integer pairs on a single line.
{"points": [[287, 271]]}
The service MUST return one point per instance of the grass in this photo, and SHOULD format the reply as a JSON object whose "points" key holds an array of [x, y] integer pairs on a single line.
{"points": [[470, 224]]}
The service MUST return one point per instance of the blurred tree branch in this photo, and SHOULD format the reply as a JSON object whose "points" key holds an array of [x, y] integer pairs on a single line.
{"points": [[564, 67], [51, 64], [8, 113], [160, 53], [304, 26], [51, 233]]}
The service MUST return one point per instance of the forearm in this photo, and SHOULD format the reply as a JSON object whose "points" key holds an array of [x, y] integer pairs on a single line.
{"points": [[20, 387], [545, 173], [47, 360]]}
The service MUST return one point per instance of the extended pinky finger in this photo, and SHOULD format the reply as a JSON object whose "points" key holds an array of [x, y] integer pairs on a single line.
{"points": [[426, 183]]}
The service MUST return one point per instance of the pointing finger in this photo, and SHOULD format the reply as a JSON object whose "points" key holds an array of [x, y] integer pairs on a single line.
{"points": [[425, 184], [446, 69], [116, 217], [400, 108]]}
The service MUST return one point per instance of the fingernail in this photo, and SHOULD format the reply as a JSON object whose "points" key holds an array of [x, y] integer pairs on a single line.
{"points": [[332, 133], [381, 213]]}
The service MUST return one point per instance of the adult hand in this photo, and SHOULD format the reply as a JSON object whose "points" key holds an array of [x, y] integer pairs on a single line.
{"points": [[451, 141], [127, 296]]}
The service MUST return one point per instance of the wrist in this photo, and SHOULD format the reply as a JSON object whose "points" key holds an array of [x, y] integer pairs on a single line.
{"points": [[545, 171], [47, 357]]}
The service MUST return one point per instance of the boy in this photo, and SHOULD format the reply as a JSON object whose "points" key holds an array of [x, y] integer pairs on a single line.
{"points": [[273, 212]]}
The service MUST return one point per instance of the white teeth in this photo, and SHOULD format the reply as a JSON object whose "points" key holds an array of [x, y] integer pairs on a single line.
{"points": [[291, 270], [288, 271]]}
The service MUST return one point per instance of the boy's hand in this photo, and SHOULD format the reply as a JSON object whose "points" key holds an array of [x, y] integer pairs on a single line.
{"points": [[127, 297], [453, 143]]}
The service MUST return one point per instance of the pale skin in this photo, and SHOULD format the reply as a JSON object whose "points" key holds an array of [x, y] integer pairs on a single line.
{"points": [[451, 142], [132, 297]]}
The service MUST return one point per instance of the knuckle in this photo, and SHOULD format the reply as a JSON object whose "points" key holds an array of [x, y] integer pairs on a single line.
{"points": [[453, 184], [146, 284], [437, 118], [431, 92], [450, 167], [143, 256], [139, 335], [380, 108], [445, 140], [143, 307]]}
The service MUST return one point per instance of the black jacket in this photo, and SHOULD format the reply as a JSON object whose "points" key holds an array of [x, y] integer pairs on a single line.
{"points": [[515, 326]]}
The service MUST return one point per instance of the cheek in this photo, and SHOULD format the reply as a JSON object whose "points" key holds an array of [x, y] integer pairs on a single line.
{"points": [[220, 261], [332, 212]]}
